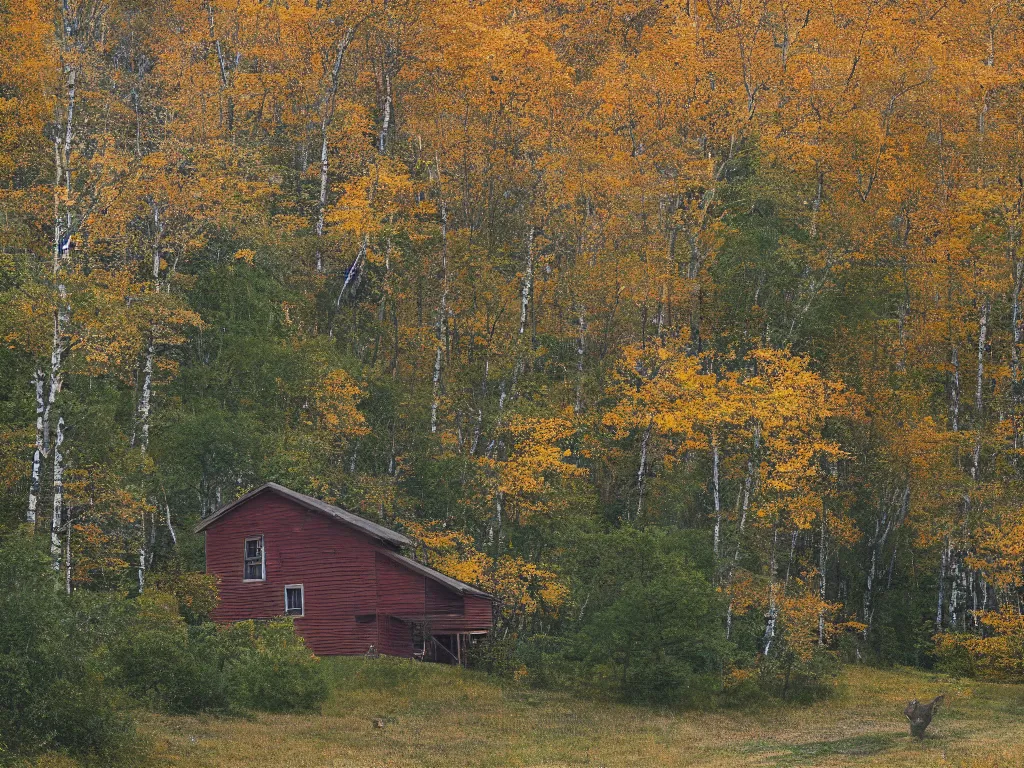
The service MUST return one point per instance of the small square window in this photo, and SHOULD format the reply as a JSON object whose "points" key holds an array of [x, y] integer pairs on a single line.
{"points": [[293, 600], [255, 559]]}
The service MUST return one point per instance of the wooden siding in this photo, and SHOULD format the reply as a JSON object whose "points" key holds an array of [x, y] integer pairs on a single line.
{"points": [[478, 615], [344, 574], [396, 637], [400, 592]]}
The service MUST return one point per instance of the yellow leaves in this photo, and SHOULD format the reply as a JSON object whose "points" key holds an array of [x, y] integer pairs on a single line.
{"points": [[799, 611], [523, 588], [537, 465], [106, 512], [13, 467], [997, 654], [245, 255], [336, 398], [366, 202], [774, 395]]}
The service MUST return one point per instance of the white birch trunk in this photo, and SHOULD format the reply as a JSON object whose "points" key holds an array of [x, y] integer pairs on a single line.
{"points": [[773, 611], [955, 391], [717, 498], [495, 528], [978, 389], [822, 569], [38, 380], [884, 526], [524, 303], [321, 211], [328, 105], [955, 594], [581, 348], [442, 314], [58, 496], [145, 399], [142, 565], [62, 233], [942, 586], [1015, 321], [643, 468], [170, 527], [68, 564], [382, 138], [748, 487]]}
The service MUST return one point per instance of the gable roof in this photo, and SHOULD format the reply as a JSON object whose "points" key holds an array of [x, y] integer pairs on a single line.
{"points": [[313, 505], [455, 585]]}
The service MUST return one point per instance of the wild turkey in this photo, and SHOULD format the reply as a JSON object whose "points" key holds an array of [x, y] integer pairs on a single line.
{"points": [[920, 715]]}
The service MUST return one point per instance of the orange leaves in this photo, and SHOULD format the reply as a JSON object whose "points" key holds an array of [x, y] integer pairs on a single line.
{"points": [[369, 203], [534, 477], [799, 611], [336, 398], [523, 588], [998, 654], [106, 514], [775, 394]]}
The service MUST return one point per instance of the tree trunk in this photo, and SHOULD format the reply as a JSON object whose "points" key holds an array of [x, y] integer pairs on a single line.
{"points": [[170, 527], [58, 496], [717, 498], [321, 210], [581, 347], [442, 311], [38, 380], [884, 526], [748, 487], [145, 399], [1015, 372], [327, 107], [643, 468], [822, 566], [382, 138], [954, 394], [978, 390], [68, 564], [773, 609]]}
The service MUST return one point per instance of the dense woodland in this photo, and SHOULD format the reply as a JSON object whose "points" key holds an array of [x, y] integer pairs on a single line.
{"points": [[682, 326]]}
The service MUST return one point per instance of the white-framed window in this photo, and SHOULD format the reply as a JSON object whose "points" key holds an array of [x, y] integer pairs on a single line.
{"points": [[294, 600], [255, 559]]}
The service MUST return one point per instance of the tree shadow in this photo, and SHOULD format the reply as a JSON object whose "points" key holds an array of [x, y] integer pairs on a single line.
{"points": [[807, 753]]}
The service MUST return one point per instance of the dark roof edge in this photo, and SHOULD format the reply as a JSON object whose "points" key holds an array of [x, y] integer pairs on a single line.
{"points": [[314, 505], [454, 584]]}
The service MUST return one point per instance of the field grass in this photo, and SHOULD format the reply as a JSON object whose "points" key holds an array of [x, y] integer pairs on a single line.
{"points": [[438, 716]]}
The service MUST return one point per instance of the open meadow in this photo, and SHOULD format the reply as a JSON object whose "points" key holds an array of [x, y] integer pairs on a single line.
{"points": [[436, 716]]}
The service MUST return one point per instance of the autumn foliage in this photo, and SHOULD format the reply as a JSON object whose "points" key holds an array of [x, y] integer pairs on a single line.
{"points": [[511, 274]]}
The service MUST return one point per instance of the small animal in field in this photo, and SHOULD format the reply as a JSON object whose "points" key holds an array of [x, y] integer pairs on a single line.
{"points": [[378, 722], [920, 715]]}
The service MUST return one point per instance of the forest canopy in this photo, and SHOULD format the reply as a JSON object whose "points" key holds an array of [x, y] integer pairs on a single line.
{"points": [[629, 312]]}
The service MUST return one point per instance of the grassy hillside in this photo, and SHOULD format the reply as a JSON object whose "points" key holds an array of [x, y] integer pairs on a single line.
{"points": [[438, 716]]}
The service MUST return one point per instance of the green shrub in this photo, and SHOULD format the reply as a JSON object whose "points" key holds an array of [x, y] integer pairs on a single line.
{"points": [[497, 656], [166, 664], [651, 626], [172, 666], [268, 667], [54, 694], [660, 640], [955, 655], [788, 676]]}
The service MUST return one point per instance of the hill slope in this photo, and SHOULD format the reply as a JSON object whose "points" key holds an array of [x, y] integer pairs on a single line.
{"points": [[438, 716]]}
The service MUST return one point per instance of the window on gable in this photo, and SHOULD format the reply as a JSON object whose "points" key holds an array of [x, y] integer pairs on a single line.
{"points": [[255, 559], [293, 600]]}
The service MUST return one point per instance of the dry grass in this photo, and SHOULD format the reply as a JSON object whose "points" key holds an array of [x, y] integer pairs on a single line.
{"points": [[437, 716]]}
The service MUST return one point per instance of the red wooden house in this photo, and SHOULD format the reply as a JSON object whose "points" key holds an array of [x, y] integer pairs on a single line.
{"points": [[277, 552]]}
